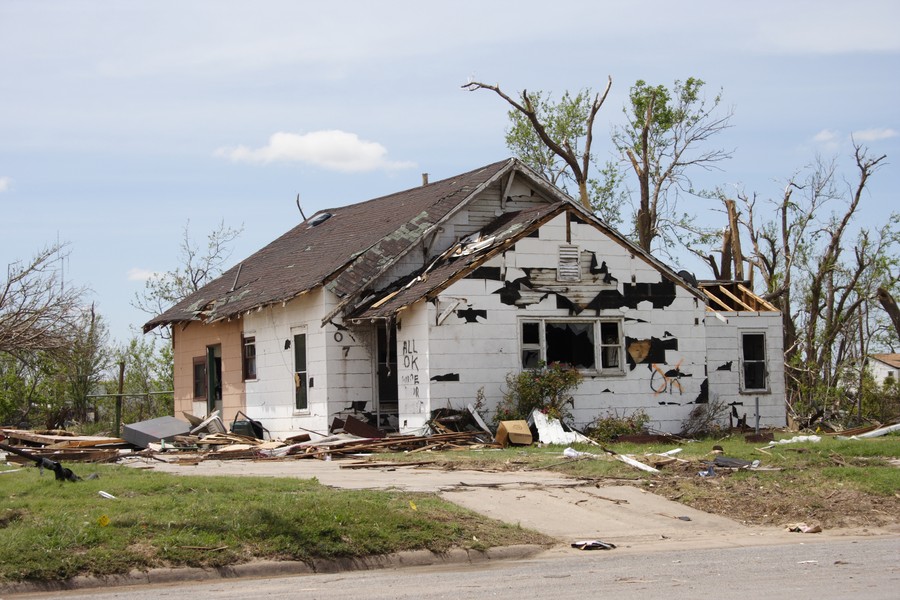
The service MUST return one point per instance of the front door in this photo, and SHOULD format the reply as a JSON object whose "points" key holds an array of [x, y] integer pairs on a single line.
{"points": [[386, 356]]}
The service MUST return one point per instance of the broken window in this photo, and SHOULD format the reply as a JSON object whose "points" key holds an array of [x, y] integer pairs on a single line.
{"points": [[610, 346], [300, 373], [248, 357], [199, 377], [573, 343], [753, 362], [568, 267]]}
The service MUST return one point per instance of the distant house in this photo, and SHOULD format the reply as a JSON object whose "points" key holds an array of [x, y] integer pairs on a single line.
{"points": [[429, 297], [884, 367]]}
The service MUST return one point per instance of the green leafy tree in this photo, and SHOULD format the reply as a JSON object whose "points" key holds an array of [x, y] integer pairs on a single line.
{"points": [[665, 139], [554, 138], [148, 379], [83, 363]]}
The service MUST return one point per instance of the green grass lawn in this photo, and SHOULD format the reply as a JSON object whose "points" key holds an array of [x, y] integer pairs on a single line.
{"points": [[55, 530]]}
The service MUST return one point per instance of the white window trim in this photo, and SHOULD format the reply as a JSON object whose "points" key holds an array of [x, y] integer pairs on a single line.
{"points": [[765, 361], [596, 371]]}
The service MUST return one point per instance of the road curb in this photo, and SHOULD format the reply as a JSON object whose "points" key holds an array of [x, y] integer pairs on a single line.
{"points": [[266, 568]]}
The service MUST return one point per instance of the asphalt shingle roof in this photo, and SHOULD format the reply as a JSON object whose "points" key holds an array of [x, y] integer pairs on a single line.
{"points": [[346, 251]]}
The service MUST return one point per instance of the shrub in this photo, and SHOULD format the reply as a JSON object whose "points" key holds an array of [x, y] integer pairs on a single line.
{"points": [[608, 427], [547, 388], [705, 419]]}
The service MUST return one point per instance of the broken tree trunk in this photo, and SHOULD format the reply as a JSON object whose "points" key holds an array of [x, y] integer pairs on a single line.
{"points": [[890, 306]]}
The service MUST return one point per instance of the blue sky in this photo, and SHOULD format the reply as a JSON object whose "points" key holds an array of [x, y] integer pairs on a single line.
{"points": [[120, 122]]}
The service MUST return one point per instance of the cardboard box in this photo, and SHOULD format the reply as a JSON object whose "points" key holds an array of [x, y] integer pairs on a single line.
{"points": [[516, 433]]}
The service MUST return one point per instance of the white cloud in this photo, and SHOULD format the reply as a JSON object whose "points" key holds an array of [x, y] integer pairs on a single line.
{"points": [[332, 149], [138, 274], [826, 136], [5, 183], [873, 135]]}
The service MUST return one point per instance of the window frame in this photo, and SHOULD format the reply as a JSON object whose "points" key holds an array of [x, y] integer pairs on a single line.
{"points": [[598, 346], [248, 361], [744, 362]]}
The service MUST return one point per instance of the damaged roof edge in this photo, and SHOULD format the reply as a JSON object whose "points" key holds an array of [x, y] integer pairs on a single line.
{"points": [[511, 164]]}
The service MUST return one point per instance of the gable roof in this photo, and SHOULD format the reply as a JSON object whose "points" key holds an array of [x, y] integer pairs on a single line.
{"points": [[346, 249], [459, 260], [891, 360]]}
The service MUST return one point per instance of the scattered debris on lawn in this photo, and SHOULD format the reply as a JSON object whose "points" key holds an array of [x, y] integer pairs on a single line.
{"points": [[62, 473], [803, 528], [516, 433], [871, 433], [592, 545]]}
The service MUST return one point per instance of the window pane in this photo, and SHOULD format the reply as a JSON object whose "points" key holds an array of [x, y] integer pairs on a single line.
{"points": [[250, 358], [609, 332], [531, 333], [754, 375], [531, 359], [199, 377], [302, 402], [571, 344], [754, 346], [300, 386]]}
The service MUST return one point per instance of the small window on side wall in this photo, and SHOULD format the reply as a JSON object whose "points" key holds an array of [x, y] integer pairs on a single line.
{"points": [[248, 357], [301, 390], [754, 376]]}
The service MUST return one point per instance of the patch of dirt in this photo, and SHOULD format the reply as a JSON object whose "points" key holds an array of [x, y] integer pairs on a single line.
{"points": [[758, 501]]}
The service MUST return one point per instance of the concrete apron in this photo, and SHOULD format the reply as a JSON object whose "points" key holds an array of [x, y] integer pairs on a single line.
{"points": [[561, 507]]}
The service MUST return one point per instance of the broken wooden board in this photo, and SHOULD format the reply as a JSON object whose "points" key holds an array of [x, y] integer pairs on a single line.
{"points": [[65, 439]]}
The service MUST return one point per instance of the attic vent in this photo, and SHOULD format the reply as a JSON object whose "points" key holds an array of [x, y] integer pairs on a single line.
{"points": [[319, 219], [569, 266]]}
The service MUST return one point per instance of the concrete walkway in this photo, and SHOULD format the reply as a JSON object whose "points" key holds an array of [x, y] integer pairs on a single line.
{"points": [[562, 507]]}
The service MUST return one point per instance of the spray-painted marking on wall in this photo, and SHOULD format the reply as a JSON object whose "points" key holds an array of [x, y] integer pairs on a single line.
{"points": [[660, 380], [411, 362], [410, 355]]}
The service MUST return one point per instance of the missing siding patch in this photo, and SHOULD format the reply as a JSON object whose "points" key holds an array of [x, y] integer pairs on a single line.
{"points": [[726, 366], [703, 396], [446, 377], [670, 404], [602, 269], [492, 273], [471, 315]]}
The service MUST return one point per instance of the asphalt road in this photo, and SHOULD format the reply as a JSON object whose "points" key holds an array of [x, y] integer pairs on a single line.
{"points": [[866, 568]]}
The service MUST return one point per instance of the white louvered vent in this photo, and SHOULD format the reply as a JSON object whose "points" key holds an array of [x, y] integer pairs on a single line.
{"points": [[569, 268]]}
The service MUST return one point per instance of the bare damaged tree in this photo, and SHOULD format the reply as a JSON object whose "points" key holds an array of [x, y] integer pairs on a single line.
{"points": [[37, 309], [562, 142], [822, 282], [197, 266]]}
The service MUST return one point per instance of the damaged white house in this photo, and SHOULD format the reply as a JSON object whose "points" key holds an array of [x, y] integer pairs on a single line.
{"points": [[425, 298]]}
